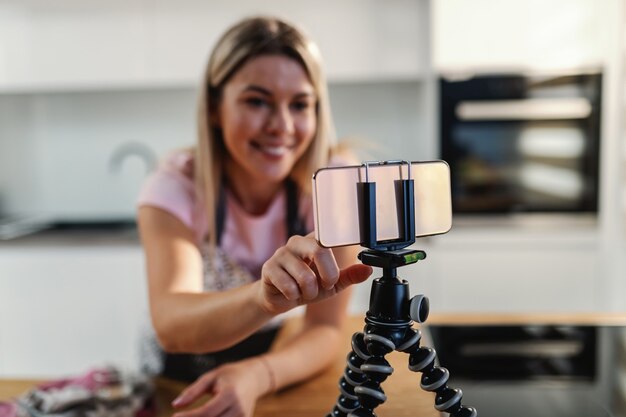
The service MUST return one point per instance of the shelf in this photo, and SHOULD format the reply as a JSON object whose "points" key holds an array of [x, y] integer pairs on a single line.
{"points": [[89, 87], [180, 84]]}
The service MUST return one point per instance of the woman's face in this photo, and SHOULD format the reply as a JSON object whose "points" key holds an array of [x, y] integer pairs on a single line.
{"points": [[268, 118]]}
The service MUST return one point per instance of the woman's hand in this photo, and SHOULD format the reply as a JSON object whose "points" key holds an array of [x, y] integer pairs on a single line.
{"points": [[303, 272], [234, 389]]}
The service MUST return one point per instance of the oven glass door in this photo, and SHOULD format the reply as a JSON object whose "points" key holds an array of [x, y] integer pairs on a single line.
{"points": [[519, 144], [522, 166]]}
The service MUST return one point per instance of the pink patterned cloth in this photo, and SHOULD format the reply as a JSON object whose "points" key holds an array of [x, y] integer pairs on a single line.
{"points": [[98, 392], [8, 409], [92, 380]]}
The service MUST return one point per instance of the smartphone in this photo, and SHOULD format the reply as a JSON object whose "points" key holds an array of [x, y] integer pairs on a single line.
{"points": [[336, 208]]}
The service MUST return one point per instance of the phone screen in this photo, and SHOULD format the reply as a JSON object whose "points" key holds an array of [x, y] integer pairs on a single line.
{"points": [[336, 205]]}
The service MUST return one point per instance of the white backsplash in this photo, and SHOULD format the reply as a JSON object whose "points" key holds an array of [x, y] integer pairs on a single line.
{"points": [[66, 154], [19, 185], [82, 156]]}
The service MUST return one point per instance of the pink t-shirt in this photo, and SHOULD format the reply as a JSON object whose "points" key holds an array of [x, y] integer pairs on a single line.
{"points": [[249, 240]]}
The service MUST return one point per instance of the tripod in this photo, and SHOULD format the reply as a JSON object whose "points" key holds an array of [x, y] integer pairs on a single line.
{"points": [[390, 316]]}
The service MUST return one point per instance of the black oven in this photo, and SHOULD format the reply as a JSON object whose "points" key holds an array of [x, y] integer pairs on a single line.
{"points": [[522, 143]]}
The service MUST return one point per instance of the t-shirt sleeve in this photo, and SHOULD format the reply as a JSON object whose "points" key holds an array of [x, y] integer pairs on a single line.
{"points": [[171, 191]]}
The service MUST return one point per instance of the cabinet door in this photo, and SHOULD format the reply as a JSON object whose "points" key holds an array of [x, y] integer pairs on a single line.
{"points": [[508, 279], [65, 310], [511, 34], [71, 43], [359, 39]]}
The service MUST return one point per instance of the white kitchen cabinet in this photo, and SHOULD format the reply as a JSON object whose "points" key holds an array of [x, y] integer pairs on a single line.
{"points": [[70, 43], [359, 40], [74, 45], [513, 270], [519, 281], [505, 35], [67, 308]]}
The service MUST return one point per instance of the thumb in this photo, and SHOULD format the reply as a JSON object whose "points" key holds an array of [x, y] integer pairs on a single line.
{"points": [[351, 275]]}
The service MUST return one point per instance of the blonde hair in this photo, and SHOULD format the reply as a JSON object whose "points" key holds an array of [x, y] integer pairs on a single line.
{"points": [[250, 38]]}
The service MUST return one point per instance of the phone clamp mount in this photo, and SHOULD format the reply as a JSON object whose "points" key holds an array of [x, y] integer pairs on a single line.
{"points": [[388, 322]]}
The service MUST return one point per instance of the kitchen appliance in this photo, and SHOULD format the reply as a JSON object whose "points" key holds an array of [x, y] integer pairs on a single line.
{"points": [[555, 370], [522, 143]]}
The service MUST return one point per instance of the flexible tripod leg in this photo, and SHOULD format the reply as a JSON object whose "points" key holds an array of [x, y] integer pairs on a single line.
{"points": [[360, 390], [434, 378], [379, 342], [352, 377], [367, 368]]}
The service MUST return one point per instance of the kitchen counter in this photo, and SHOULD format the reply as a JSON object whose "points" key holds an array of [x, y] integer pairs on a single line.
{"points": [[605, 319], [79, 234]]}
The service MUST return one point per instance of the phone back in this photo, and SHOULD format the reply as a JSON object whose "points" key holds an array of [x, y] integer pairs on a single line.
{"points": [[336, 203]]}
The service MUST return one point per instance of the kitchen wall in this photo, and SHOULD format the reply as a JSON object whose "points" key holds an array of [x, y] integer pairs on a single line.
{"points": [[18, 182], [75, 96], [113, 138], [86, 153]]}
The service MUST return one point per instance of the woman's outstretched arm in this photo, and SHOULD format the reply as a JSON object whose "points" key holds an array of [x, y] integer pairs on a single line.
{"points": [[186, 319]]}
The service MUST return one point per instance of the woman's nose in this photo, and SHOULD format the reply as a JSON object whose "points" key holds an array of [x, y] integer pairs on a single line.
{"points": [[281, 121]]}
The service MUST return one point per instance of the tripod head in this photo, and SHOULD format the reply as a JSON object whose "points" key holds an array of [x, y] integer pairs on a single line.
{"points": [[390, 302]]}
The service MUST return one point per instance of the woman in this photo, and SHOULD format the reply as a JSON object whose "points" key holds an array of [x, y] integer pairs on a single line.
{"points": [[226, 227]]}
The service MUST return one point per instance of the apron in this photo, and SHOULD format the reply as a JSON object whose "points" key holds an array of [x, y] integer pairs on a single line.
{"points": [[221, 273]]}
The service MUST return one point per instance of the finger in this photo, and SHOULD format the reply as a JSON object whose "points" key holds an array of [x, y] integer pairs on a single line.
{"points": [[284, 283], [303, 275], [353, 274], [326, 267], [307, 248], [196, 390], [214, 407]]}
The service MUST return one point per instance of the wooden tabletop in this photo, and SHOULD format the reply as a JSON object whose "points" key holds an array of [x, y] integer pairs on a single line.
{"points": [[314, 397]]}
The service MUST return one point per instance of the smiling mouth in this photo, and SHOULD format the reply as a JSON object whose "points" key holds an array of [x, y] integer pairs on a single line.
{"points": [[273, 150]]}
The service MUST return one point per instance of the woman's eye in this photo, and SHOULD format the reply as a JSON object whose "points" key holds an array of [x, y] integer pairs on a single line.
{"points": [[300, 105], [256, 102]]}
